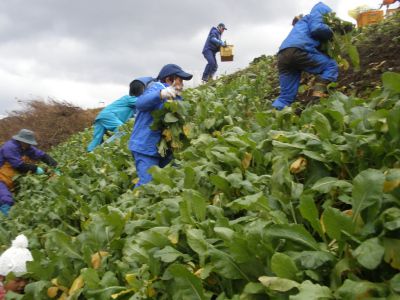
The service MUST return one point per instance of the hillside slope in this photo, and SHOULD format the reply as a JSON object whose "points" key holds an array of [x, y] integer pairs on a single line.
{"points": [[262, 204]]}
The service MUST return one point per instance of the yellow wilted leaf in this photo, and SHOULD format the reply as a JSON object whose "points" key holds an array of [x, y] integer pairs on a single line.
{"points": [[198, 272], [151, 292], [389, 186], [246, 160], [167, 135], [186, 130], [348, 212], [96, 258], [174, 238], [135, 180], [54, 281], [116, 295], [130, 278], [344, 64], [77, 284], [216, 133], [52, 291], [298, 166], [321, 221], [392, 255]]}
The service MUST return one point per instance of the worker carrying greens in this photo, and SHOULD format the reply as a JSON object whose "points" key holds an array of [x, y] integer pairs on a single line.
{"points": [[144, 141], [118, 112], [299, 52], [211, 47], [17, 156]]}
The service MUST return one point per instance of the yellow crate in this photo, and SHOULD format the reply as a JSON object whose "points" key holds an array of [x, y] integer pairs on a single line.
{"points": [[227, 53], [369, 17]]}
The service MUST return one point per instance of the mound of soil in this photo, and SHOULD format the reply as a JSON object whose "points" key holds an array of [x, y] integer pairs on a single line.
{"points": [[379, 49]]}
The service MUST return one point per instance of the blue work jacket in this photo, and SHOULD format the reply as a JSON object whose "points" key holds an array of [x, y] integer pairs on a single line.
{"points": [[310, 31], [144, 140], [213, 41]]}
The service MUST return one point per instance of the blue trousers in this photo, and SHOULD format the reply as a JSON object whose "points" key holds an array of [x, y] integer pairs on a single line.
{"points": [[6, 198], [211, 67], [145, 162], [293, 61], [101, 126]]}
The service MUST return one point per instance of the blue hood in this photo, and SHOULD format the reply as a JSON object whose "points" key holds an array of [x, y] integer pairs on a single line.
{"points": [[320, 9], [310, 31], [145, 80]]}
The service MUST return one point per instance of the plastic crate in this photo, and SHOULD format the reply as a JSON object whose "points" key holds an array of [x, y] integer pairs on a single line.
{"points": [[369, 17], [227, 53]]}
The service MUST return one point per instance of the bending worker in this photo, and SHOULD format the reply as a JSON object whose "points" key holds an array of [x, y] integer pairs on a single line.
{"points": [[299, 52], [118, 112], [144, 141], [211, 47], [15, 157]]}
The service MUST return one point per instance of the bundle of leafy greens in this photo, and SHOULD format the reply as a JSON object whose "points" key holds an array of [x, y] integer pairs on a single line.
{"points": [[171, 120], [341, 47]]}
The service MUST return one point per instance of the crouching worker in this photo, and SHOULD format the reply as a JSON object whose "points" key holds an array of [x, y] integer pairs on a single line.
{"points": [[299, 52], [144, 141], [118, 112], [13, 261], [16, 156]]}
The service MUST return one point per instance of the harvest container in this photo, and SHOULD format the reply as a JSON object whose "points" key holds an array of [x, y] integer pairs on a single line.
{"points": [[227, 53], [369, 17]]}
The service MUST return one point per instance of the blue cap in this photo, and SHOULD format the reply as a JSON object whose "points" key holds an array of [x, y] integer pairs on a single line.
{"points": [[171, 69], [222, 25]]}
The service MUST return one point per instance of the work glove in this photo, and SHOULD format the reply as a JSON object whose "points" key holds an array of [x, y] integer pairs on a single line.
{"points": [[5, 208], [223, 44], [168, 93], [39, 171]]}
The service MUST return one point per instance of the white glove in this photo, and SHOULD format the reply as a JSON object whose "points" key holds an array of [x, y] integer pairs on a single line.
{"points": [[168, 93]]}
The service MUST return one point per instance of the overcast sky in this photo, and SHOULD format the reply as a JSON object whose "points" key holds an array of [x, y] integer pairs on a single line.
{"points": [[86, 52]]}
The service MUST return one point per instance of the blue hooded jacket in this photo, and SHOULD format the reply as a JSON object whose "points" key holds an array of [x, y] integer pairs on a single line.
{"points": [[144, 140], [213, 41], [123, 108], [310, 31]]}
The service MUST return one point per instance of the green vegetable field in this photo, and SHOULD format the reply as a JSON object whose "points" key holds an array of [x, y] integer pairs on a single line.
{"points": [[258, 203]]}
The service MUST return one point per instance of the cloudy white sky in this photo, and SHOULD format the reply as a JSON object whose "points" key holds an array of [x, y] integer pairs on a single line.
{"points": [[86, 52]]}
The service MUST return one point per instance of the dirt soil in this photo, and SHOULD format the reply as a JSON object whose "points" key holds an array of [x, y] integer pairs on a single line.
{"points": [[379, 49]]}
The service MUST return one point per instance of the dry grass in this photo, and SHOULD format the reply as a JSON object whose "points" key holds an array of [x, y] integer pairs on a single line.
{"points": [[52, 121]]}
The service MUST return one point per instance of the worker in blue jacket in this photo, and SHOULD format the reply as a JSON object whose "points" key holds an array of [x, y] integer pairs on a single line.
{"points": [[17, 156], [299, 52], [211, 47], [118, 112], [144, 141]]}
